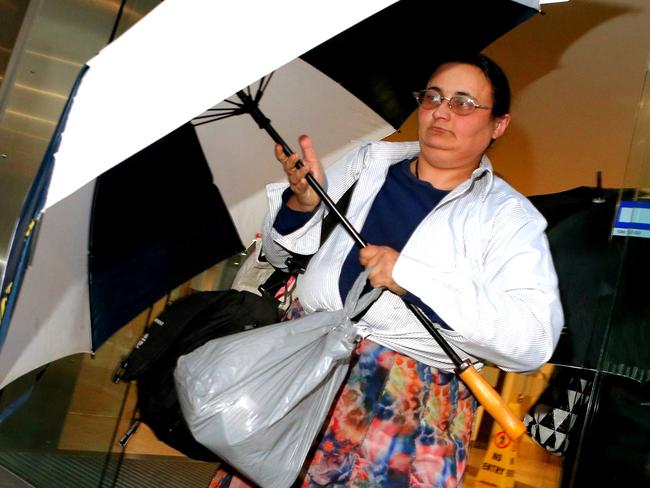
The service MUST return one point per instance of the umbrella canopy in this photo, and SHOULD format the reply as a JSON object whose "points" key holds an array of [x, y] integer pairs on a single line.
{"points": [[600, 279], [297, 98], [391, 54], [579, 230], [153, 79]]}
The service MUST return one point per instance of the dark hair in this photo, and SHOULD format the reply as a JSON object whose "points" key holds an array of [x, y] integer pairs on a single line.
{"points": [[494, 74]]}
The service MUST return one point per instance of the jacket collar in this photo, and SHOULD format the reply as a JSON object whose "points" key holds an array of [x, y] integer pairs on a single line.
{"points": [[389, 153]]}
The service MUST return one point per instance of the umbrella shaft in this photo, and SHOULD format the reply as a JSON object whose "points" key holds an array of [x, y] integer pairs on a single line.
{"points": [[264, 123], [426, 321], [333, 208], [431, 329]]}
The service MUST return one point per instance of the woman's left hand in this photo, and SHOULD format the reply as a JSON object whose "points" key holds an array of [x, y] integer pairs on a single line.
{"points": [[379, 261]]}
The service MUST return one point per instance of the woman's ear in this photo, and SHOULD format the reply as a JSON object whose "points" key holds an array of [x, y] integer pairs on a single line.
{"points": [[500, 125]]}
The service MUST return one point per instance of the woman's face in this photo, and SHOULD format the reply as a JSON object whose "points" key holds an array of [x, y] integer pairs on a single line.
{"points": [[449, 140]]}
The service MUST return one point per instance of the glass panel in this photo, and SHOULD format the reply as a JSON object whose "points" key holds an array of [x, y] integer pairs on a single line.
{"points": [[627, 341], [614, 447]]}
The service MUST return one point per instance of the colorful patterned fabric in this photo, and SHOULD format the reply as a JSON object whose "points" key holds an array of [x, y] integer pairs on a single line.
{"points": [[396, 423]]}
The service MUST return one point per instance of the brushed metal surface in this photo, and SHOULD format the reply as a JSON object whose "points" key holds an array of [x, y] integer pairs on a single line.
{"points": [[12, 13]]}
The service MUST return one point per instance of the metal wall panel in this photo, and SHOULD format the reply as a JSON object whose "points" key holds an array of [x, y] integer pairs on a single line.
{"points": [[12, 13]]}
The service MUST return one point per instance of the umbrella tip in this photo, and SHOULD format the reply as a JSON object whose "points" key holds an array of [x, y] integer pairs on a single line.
{"points": [[599, 194]]}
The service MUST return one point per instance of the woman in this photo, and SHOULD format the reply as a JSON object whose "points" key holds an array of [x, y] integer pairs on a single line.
{"points": [[447, 235]]}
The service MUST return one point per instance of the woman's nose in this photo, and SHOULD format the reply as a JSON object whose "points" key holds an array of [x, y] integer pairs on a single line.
{"points": [[443, 110]]}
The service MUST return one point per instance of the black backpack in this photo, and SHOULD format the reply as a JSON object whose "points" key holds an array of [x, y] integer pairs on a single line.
{"points": [[183, 326], [189, 323]]}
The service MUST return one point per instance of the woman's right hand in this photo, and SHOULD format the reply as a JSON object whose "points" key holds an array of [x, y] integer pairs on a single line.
{"points": [[304, 198]]}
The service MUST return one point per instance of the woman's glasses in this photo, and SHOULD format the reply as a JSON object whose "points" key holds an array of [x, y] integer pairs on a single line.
{"points": [[459, 104]]}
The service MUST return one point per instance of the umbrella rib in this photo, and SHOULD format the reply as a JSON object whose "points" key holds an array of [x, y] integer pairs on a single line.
{"points": [[264, 82], [214, 118], [231, 102], [248, 92], [223, 109], [227, 113]]}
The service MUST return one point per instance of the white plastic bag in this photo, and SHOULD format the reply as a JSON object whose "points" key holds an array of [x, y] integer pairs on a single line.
{"points": [[252, 272], [258, 399]]}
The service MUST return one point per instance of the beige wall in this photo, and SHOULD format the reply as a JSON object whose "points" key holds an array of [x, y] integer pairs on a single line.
{"points": [[577, 75]]}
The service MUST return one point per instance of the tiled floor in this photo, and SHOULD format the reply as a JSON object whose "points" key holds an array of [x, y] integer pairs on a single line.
{"points": [[532, 469]]}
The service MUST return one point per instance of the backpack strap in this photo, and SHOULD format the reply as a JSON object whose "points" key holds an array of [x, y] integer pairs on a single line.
{"points": [[297, 263]]}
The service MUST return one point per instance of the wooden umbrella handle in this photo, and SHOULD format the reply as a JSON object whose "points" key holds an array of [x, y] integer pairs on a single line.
{"points": [[491, 401]]}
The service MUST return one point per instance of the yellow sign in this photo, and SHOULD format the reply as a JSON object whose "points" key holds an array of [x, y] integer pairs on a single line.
{"points": [[498, 467]]}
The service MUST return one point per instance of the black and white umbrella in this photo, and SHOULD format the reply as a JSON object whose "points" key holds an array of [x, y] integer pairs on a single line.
{"points": [[154, 79]]}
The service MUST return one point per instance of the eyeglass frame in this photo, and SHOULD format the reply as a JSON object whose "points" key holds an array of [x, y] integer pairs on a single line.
{"points": [[470, 99]]}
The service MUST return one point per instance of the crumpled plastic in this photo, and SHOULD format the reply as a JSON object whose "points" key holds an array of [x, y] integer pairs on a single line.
{"points": [[252, 272], [258, 399]]}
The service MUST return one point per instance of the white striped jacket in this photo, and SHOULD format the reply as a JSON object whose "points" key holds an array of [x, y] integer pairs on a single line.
{"points": [[480, 259]]}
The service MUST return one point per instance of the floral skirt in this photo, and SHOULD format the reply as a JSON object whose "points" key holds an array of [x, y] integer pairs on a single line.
{"points": [[396, 423]]}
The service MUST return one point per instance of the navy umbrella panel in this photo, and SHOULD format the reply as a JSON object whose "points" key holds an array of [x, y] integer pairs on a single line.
{"points": [[383, 59], [157, 220]]}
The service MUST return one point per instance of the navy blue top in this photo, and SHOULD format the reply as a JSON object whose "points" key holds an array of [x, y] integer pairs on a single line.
{"points": [[400, 205], [287, 220]]}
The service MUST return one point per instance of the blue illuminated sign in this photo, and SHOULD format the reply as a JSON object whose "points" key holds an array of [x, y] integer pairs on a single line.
{"points": [[632, 219]]}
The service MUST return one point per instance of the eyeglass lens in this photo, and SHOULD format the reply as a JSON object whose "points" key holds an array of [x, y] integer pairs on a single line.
{"points": [[460, 104]]}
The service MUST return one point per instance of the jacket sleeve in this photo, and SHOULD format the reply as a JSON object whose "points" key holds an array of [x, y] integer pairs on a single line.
{"points": [[506, 310], [306, 239]]}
